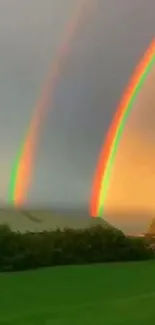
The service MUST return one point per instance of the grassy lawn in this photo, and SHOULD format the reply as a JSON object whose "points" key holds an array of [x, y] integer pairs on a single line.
{"points": [[120, 294]]}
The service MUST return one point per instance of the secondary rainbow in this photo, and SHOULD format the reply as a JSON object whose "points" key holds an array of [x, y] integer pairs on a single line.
{"points": [[108, 153], [21, 174]]}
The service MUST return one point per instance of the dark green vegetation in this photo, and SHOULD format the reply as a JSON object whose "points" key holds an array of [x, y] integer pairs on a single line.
{"points": [[63, 247], [107, 294]]}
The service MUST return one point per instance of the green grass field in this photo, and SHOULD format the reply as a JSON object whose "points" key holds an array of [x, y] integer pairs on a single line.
{"points": [[120, 294]]}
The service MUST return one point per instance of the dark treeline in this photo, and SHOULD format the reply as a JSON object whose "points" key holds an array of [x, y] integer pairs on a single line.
{"points": [[56, 247]]}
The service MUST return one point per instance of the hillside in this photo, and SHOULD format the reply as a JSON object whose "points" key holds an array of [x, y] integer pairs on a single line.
{"points": [[110, 294], [38, 220]]}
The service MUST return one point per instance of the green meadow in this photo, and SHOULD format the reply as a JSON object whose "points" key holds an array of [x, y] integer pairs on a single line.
{"points": [[108, 294]]}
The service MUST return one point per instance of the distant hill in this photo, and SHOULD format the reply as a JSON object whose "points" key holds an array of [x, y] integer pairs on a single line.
{"points": [[39, 220], [43, 219]]}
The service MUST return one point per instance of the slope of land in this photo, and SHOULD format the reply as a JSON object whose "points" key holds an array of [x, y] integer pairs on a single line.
{"points": [[38, 220], [110, 294]]}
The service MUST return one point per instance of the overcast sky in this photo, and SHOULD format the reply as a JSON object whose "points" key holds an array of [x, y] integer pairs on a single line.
{"points": [[103, 54]]}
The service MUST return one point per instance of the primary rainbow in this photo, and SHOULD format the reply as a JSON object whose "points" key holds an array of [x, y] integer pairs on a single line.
{"points": [[108, 153]]}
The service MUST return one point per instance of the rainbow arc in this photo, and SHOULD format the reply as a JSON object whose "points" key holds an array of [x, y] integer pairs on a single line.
{"points": [[108, 153]]}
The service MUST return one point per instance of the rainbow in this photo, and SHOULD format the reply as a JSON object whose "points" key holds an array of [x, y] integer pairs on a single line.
{"points": [[21, 174], [110, 147]]}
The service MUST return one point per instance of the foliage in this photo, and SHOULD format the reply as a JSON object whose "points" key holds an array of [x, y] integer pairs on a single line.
{"points": [[69, 246]]}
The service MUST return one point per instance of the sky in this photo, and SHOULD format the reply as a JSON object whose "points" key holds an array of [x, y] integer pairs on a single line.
{"points": [[103, 54]]}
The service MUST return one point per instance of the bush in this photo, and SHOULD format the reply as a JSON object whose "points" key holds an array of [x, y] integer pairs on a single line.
{"points": [[93, 245]]}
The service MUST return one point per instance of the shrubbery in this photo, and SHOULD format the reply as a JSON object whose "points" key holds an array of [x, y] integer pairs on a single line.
{"points": [[93, 245]]}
